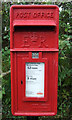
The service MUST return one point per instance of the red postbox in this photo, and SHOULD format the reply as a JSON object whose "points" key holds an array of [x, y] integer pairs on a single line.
{"points": [[34, 59]]}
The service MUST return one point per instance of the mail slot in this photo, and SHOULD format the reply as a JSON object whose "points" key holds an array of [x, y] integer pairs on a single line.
{"points": [[34, 50]]}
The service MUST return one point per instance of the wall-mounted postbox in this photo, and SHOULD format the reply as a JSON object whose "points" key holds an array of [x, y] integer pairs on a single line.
{"points": [[34, 59]]}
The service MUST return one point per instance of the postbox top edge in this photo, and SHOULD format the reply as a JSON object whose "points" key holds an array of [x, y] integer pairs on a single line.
{"points": [[34, 6]]}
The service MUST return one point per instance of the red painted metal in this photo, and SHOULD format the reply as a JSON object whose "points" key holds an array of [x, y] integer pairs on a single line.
{"points": [[34, 28], [34, 23]]}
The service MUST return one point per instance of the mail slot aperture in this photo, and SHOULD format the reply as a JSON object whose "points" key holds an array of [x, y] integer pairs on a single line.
{"points": [[34, 50]]}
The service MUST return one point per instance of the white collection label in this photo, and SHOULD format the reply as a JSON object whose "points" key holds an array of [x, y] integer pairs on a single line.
{"points": [[34, 79]]}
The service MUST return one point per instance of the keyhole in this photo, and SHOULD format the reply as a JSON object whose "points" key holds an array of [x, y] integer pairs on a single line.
{"points": [[21, 82]]}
